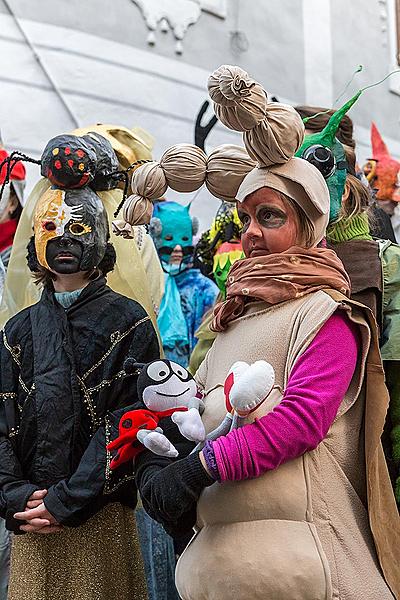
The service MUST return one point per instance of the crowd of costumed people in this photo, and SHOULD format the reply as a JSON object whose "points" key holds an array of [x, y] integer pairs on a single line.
{"points": [[212, 414]]}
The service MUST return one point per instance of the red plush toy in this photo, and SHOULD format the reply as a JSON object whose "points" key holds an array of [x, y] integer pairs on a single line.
{"points": [[126, 443]]}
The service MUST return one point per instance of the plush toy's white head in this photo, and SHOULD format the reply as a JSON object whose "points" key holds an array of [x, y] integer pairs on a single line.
{"points": [[166, 386]]}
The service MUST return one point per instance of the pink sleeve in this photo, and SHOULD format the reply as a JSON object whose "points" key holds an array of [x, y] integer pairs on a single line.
{"points": [[315, 390]]}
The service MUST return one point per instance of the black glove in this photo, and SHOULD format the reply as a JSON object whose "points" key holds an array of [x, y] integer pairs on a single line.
{"points": [[170, 495]]}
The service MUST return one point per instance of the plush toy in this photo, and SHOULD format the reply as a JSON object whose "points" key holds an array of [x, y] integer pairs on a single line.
{"points": [[166, 390], [246, 387]]}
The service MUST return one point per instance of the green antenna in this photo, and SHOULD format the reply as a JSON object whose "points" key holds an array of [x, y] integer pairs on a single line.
{"points": [[328, 133]]}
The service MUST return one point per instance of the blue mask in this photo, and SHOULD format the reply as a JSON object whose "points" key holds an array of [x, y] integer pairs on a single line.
{"points": [[174, 228]]}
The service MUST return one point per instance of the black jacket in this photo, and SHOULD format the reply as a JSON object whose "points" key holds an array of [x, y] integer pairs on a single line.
{"points": [[62, 392]]}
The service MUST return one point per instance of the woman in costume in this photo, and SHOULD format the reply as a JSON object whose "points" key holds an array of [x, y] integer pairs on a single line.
{"points": [[63, 388], [297, 503]]}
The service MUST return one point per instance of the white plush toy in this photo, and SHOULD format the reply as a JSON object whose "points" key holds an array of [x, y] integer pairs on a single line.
{"points": [[246, 387]]}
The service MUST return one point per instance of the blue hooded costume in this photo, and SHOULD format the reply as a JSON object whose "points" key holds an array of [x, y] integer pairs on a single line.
{"points": [[188, 294]]}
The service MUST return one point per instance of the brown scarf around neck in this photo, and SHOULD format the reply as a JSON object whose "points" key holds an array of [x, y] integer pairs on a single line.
{"points": [[276, 278]]}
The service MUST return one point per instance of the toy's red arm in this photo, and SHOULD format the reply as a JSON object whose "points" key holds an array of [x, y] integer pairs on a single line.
{"points": [[127, 444]]}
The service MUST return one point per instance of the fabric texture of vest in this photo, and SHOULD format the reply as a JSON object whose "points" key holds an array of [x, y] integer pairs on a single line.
{"points": [[301, 531]]}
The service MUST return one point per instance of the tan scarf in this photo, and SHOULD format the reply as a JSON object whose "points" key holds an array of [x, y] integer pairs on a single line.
{"points": [[275, 278]]}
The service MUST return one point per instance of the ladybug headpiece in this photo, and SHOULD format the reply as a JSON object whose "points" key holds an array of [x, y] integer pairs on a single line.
{"points": [[77, 167]]}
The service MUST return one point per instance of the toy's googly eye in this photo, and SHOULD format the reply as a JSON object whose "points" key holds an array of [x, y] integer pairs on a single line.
{"points": [[322, 158], [180, 372], [158, 371]]}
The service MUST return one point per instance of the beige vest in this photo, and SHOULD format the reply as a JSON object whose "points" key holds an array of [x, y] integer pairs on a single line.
{"points": [[301, 531]]}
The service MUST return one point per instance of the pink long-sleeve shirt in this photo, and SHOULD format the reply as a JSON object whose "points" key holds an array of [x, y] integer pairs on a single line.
{"points": [[315, 390]]}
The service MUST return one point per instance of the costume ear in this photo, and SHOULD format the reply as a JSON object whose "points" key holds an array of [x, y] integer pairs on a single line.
{"points": [[155, 227], [31, 257], [195, 225], [131, 367]]}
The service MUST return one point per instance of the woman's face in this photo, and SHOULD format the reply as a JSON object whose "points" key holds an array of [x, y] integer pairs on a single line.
{"points": [[270, 225]]}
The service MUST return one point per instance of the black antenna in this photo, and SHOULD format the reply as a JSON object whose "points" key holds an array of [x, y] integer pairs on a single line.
{"points": [[11, 160]]}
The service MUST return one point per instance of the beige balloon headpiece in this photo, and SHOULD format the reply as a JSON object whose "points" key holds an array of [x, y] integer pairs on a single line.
{"points": [[183, 168], [272, 134]]}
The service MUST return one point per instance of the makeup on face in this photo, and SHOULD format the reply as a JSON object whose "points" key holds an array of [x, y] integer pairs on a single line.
{"points": [[267, 215], [269, 223]]}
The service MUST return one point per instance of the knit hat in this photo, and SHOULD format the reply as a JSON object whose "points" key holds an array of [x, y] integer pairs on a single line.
{"points": [[301, 182], [272, 133]]}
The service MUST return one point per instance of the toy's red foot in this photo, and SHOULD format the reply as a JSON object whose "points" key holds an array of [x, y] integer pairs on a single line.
{"points": [[127, 444]]}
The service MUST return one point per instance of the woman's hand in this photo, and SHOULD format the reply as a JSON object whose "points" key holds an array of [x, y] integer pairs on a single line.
{"points": [[36, 516], [171, 492]]}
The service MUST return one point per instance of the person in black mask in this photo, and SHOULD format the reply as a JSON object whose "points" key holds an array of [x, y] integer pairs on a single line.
{"points": [[63, 390]]}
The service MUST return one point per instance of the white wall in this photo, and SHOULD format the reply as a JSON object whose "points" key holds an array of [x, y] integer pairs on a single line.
{"points": [[96, 55]]}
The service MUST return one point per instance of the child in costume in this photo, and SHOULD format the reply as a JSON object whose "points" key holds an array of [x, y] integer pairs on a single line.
{"points": [[63, 391], [188, 294], [297, 503]]}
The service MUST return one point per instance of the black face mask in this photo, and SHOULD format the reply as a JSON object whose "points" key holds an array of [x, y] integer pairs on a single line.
{"points": [[64, 255], [81, 231]]}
